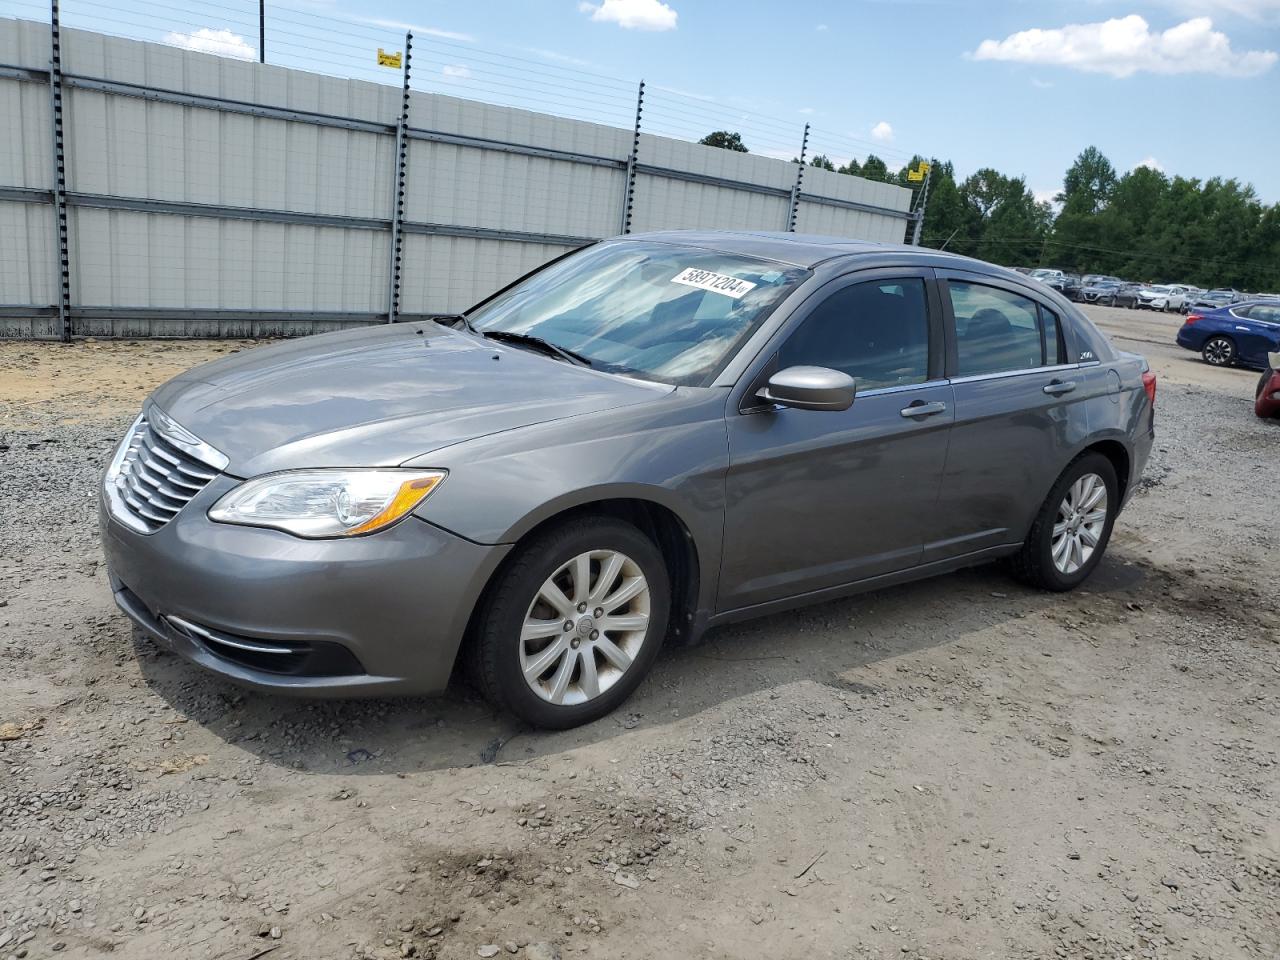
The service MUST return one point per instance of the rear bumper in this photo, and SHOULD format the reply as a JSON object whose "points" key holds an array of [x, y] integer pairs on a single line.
{"points": [[1189, 340], [383, 614]]}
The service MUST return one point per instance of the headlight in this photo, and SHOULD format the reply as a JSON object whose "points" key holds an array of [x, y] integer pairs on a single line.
{"points": [[327, 503]]}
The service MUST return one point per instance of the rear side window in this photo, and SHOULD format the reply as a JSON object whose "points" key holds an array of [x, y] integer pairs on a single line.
{"points": [[1265, 313], [877, 332], [998, 331]]}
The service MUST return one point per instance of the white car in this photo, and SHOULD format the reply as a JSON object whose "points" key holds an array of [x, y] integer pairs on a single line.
{"points": [[1162, 297]]}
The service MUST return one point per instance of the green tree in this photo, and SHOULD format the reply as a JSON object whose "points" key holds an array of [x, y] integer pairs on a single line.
{"points": [[873, 168], [726, 140], [822, 162]]}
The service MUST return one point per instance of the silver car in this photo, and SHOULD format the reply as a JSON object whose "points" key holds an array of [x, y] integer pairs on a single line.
{"points": [[639, 441]]}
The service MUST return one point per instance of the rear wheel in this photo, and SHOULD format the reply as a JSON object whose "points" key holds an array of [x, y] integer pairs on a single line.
{"points": [[573, 623], [1072, 529], [1219, 351]]}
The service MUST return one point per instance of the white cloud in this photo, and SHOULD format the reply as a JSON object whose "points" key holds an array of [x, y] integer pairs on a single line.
{"points": [[806, 111], [882, 132], [223, 43], [1040, 84], [1151, 163], [1124, 46], [455, 71], [821, 27], [633, 14], [1045, 196]]}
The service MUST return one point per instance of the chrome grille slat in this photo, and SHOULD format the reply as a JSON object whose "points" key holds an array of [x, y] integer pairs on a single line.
{"points": [[156, 479]]}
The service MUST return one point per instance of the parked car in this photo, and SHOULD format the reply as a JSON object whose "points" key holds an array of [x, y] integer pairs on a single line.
{"points": [[1161, 297], [1243, 333], [1126, 295], [1190, 296], [642, 439], [1046, 274], [1214, 299], [1267, 397], [1101, 291]]}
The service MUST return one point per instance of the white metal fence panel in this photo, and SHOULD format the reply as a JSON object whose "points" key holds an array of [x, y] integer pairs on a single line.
{"points": [[208, 194]]}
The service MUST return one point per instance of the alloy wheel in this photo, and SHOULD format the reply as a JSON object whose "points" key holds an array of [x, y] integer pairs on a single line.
{"points": [[1218, 351], [1082, 516], [584, 628]]}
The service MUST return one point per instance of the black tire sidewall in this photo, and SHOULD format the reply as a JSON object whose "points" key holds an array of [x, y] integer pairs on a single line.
{"points": [[1089, 463], [499, 633]]}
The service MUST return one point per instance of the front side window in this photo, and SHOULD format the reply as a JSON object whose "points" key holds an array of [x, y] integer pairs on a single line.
{"points": [[876, 331], [651, 310], [996, 331]]}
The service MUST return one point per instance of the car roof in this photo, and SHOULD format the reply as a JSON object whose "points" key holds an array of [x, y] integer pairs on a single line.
{"points": [[796, 249]]}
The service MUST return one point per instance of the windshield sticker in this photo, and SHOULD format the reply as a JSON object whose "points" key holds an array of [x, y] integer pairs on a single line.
{"points": [[715, 282]]}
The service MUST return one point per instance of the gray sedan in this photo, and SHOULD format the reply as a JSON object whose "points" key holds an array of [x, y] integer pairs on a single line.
{"points": [[641, 440]]}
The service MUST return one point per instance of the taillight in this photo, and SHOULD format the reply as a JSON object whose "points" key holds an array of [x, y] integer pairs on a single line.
{"points": [[1193, 317], [1149, 385]]}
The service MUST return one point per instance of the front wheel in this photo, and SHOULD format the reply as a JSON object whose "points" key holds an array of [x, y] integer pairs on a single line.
{"points": [[573, 623], [1219, 351], [1072, 529]]}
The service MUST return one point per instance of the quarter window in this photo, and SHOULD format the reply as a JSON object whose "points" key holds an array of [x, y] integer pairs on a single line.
{"points": [[877, 332], [998, 331]]}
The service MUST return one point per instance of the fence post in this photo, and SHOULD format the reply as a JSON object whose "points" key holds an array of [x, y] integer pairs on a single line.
{"points": [[629, 186], [262, 31], [398, 189], [795, 190], [920, 207], [59, 191]]}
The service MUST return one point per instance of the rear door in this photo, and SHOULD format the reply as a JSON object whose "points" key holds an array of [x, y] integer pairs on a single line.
{"points": [[1020, 406], [817, 499], [1258, 333]]}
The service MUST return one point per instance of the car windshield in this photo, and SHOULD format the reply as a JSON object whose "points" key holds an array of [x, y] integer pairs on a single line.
{"points": [[656, 311]]}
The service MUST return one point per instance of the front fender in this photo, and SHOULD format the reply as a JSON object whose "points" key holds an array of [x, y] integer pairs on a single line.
{"points": [[673, 452]]}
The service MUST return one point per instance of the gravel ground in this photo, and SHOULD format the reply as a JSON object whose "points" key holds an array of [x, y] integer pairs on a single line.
{"points": [[952, 769]]}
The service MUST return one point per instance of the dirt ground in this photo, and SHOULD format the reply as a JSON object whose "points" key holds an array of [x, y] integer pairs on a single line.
{"points": [[961, 768]]}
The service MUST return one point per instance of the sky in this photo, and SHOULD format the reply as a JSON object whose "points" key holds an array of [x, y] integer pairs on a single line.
{"points": [[1191, 87]]}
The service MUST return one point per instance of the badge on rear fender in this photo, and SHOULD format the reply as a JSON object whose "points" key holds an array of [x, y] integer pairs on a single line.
{"points": [[715, 282]]}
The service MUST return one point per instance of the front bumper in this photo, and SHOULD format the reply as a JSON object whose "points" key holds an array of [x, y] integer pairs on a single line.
{"points": [[382, 614]]}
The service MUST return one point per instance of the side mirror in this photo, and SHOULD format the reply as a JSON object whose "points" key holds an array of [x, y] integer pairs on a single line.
{"points": [[810, 388]]}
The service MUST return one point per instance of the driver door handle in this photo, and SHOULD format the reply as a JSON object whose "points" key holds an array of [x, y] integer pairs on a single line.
{"points": [[922, 409], [1056, 387]]}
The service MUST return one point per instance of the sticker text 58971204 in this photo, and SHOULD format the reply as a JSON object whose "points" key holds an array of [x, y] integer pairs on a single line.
{"points": [[715, 282]]}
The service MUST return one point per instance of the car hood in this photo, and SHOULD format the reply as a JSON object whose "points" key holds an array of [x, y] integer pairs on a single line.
{"points": [[379, 396]]}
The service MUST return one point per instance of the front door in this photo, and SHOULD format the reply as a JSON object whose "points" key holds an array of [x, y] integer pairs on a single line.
{"points": [[817, 499]]}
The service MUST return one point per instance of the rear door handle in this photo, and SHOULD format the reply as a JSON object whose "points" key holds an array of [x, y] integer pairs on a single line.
{"points": [[1059, 386], [922, 409]]}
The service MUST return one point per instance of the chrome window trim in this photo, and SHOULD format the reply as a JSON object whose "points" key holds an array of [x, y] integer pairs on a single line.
{"points": [[900, 388], [1005, 374]]}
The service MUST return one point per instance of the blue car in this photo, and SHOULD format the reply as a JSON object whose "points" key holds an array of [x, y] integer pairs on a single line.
{"points": [[1242, 333]]}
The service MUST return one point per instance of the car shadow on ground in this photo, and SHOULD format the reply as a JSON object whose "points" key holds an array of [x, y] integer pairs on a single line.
{"points": [[826, 643]]}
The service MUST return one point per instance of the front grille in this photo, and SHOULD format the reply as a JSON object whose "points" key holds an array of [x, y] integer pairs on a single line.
{"points": [[156, 479]]}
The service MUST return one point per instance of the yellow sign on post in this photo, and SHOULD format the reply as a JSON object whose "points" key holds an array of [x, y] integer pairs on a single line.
{"points": [[393, 60], [918, 173]]}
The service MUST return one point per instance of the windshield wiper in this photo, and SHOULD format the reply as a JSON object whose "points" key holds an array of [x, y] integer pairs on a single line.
{"points": [[546, 346]]}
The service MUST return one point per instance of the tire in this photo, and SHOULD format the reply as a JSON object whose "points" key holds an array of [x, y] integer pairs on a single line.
{"points": [[500, 655], [1262, 383], [1219, 351], [1035, 562]]}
